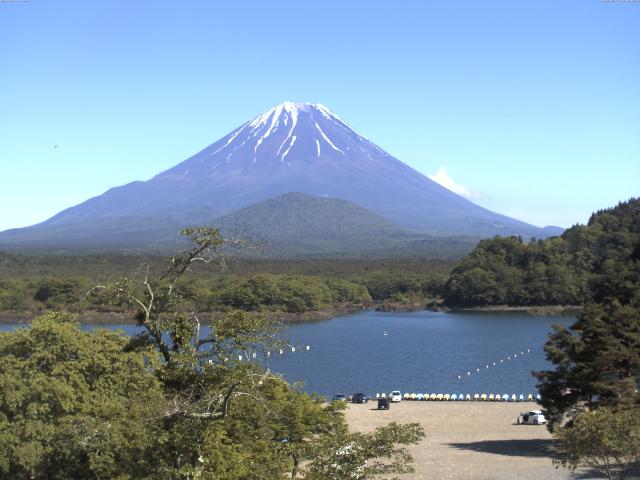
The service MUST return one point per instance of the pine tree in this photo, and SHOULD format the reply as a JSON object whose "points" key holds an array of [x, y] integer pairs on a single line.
{"points": [[597, 361]]}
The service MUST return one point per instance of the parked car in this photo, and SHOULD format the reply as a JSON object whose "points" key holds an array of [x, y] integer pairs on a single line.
{"points": [[359, 398], [383, 404], [534, 417], [395, 396], [339, 397]]}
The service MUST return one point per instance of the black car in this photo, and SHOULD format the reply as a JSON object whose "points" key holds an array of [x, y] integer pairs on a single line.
{"points": [[359, 398], [383, 404]]}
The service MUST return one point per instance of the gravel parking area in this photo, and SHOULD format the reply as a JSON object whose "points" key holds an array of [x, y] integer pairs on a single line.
{"points": [[470, 440]]}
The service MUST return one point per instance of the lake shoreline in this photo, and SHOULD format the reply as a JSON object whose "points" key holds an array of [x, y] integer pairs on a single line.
{"points": [[437, 305], [124, 318], [539, 310], [93, 317]]}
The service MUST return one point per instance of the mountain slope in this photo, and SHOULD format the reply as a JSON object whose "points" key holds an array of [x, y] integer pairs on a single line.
{"points": [[131, 234], [292, 147]]}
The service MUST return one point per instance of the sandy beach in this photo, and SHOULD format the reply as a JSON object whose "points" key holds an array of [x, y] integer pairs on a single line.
{"points": [[470, 440]]}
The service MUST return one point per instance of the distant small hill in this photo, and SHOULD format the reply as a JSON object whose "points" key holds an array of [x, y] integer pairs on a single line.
{"points": [[306, 218], [296, 224], [587, 262]]}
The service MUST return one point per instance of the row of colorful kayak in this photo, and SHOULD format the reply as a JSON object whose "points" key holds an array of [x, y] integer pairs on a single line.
{"points": [[476, 397]]}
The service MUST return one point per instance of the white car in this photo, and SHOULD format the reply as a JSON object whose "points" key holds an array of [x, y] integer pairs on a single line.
{"points": [[395, 396], [534, 417]]}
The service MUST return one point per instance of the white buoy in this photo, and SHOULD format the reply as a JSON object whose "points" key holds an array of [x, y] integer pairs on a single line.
{"points": [[293, 349], [477, 369], [468, 373], [459, 377], [308, 348], [486, 366], [268, 354], [494, 364], [281, 352], [500, 360]]}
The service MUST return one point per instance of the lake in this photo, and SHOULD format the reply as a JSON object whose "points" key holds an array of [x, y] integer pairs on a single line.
{"points": [[417, 352]]}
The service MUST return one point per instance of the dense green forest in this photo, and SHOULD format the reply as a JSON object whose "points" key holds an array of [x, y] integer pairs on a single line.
{"points": [[31, 285], [568, 270]]}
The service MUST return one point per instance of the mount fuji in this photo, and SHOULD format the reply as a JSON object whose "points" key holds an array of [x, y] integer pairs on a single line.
{"points": [[294, 147]]}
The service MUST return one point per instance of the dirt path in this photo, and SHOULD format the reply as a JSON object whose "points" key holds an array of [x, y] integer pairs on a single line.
{"points": [[469, 440]]}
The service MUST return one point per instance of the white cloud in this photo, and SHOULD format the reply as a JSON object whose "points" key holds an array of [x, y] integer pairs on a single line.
{"points": [[443, 178]]}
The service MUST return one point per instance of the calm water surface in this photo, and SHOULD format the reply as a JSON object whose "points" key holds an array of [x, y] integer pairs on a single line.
{"points": [[415, 352]]}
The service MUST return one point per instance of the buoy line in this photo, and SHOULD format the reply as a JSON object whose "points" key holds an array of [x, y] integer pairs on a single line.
{"points": [[289, 349], [499, 362]]}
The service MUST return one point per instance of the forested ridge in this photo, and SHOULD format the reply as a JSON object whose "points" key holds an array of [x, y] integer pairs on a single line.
{"points": [[32, 285], [567, 270]]}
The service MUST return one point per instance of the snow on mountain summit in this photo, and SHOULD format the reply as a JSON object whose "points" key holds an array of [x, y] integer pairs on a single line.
{"points": [[288, 112], [288, 135]]}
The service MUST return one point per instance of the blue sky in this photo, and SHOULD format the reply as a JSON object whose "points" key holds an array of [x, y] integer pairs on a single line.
{"points": [[531, 108]]}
